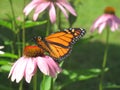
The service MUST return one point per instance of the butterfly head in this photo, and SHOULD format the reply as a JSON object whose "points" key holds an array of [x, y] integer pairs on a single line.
{"points": [[37, 38]]}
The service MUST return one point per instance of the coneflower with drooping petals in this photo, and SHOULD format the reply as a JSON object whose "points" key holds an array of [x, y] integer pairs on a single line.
{"points": [[41, 5], [107, 19], [26, 65]]}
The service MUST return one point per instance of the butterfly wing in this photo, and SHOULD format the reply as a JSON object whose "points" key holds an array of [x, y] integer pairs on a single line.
{"points": [[60, 43], [58, 52]]}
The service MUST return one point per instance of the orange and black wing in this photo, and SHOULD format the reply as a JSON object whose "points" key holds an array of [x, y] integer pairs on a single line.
{"points": [[60, 43]]}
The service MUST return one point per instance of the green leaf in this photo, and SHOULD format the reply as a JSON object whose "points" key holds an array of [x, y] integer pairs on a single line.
{"points": [[9, 55], [65, 72], [4, 62], [95, 70], [5, 68], [29, 24], [82, 74], [111, 85], [46, 83], [6, 24], [86, 77]]}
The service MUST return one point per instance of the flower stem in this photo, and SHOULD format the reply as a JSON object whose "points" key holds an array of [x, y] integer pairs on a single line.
{"points": [[58, 18], [35, 82], [48, 26], [12, 50], [21, 85], [44, 79], [18, 43], [23, 35], [104, 61], [13, 25], [12, 9], [52, 83], [23, 28]]}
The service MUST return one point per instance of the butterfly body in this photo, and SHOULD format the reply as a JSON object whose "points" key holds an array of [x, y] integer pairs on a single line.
{"points": [[59, 44]]}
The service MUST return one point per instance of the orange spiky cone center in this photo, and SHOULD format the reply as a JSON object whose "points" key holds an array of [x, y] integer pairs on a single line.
{"points": [[109, 10], [33, 51]]}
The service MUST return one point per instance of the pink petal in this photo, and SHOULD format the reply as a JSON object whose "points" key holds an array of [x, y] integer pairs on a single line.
{"points": [[113, 26], [1, 47], [67, 6], [1, 52], [40, 8], [42, 65], [62, 9], [48, 66], [18, 69], [53, 67], [101, 27], [29, 7], [115, 22], [30, 69], [100, 21], [92, 28], [52, 13], [53, 63], [12, 69]]}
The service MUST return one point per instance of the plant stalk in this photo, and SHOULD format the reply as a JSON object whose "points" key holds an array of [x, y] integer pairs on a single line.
{"points": [[101, 87]]}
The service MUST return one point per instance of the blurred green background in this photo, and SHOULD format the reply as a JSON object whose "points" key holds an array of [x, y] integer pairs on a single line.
{"points": [[82, 67]]}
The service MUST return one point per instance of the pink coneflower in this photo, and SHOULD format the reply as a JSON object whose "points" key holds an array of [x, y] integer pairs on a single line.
{"points": [[107, 19], [41, 5], [26, 65]]}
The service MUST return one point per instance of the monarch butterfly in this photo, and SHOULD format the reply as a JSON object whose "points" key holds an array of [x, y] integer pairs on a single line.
{"points": [[59, 44]]}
